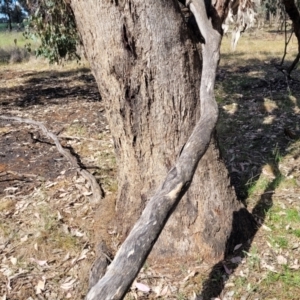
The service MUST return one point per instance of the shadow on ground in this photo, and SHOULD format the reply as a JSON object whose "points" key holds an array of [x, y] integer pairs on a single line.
{"points": [[259, 122], [49, 87], [64, 101]]}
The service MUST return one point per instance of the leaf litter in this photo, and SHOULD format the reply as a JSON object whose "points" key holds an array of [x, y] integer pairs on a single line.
{"points": [[46, 229]]}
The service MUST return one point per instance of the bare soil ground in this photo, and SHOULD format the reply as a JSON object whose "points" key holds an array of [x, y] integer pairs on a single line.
{"points": [[46, 228], [47, 237]]}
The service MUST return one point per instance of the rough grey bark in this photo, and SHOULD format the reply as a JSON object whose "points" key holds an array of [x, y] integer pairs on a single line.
{"points": [[148, 70]]}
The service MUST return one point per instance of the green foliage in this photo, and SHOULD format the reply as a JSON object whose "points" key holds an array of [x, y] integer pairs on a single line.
{"points": [[292, 215], [296, 232], [287, 277], [53, 22]]}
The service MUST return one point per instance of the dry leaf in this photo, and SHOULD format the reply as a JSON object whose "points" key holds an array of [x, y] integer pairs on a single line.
{"points": [[269, 245], [281, 260], [266, 228], [295, 246], [59, 216], [3, 297], [191, 274], [157, 289], [68, 284], [66, 257], [236, 260], [65, 228], [228, 271], [77, 233], [13, 260], [295, 267], [87, 193], [230, 294], [238, 246], [268, 267], [194, 297], [24, 238], [83, 254], [142, 287], [39, 262], [164, 291], [40, 286]]}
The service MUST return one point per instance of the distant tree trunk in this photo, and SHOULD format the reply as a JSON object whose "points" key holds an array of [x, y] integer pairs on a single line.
{"points": [[293, 12], [8, 12], [148, 70]]}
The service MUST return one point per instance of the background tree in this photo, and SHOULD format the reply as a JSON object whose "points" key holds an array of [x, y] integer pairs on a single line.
{"points": [[25, 4], [54, 24], [17, 15], [6, 8]]}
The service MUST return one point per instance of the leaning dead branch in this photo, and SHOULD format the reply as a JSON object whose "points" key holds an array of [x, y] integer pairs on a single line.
{"points": [[96, 190], [135, 249]]}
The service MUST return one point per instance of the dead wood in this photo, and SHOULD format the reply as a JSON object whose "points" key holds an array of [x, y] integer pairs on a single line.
{"points": [[135, 249], [95, 187]]}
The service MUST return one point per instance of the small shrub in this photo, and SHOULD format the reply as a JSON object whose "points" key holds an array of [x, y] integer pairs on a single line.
{"points": [[18, 55], [13, 55], [4, 56]]}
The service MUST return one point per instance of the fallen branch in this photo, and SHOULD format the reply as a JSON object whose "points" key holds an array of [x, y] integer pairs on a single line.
{"points": [[96, 189], [135, 249]]}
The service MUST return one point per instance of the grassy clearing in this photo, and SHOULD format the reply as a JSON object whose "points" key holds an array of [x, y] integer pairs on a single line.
{"points": [[7, 39], [12, 47]]}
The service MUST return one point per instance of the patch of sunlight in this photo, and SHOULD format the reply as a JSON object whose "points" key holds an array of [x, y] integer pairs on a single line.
{"points": [[293, 99], [269, 119], [268, 171], [296, 110], [231, 108], [256, 74], [270, 105]]}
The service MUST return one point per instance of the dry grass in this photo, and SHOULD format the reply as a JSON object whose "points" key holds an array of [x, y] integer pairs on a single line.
{"points": [[12, 48], [264, 46]]}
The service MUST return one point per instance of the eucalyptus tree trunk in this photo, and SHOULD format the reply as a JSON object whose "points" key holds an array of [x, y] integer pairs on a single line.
{"points": [[148, 66]]}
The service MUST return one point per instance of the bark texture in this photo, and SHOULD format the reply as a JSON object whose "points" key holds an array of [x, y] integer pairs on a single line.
{"points": [[148, 70]]}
